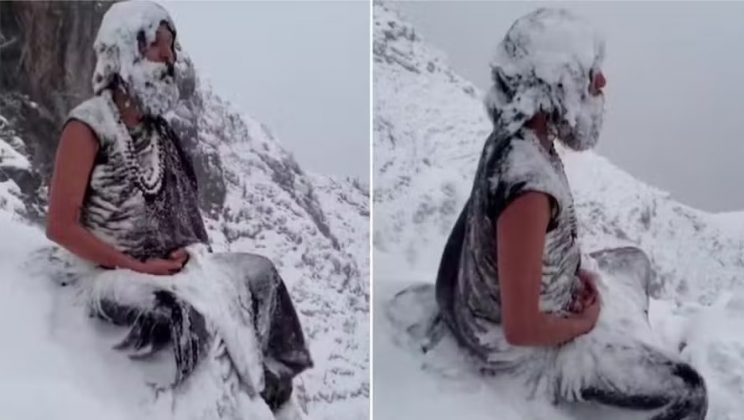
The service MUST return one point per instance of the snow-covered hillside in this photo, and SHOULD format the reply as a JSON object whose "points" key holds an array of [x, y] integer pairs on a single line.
{"points": [[429, 128], [257, 199]]}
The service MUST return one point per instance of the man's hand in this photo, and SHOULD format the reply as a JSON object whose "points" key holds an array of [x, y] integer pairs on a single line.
{"points": [[181, 256], [588, 293], [164, 267], [588, 315], [158, 267], [587, 303]]}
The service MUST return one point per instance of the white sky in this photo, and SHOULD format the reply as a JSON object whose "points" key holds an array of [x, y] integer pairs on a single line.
{"points": [[674, 93], [300, 67]]}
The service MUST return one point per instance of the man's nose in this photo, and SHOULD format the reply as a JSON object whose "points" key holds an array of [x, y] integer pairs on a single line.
{"points": [[600, 81], [169, 56]]}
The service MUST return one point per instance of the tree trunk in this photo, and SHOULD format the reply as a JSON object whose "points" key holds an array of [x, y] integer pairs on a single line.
{"points": [[49, 55], [46, 65]]}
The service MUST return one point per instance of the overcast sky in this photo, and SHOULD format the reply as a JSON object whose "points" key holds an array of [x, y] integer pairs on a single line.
{"points": [[674, 95], [300, 67]]}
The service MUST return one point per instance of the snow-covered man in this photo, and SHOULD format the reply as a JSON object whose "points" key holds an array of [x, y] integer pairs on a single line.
{"points": [[124, 197], [513, 286]]}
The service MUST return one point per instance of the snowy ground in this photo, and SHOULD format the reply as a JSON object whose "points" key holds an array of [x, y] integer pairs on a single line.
{"points": [[45, 373]]}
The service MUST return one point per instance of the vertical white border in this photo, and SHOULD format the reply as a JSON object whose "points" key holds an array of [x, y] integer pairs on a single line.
{"points": [[371, 213]]}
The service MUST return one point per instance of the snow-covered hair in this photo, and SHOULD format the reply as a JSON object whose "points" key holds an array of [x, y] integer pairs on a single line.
{"points": [[124, 27], [544, 63]]}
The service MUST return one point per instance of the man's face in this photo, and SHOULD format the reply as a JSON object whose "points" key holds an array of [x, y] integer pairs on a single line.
{"points": [[160, 51], [585, 134], [597, 83], [152, 81]]}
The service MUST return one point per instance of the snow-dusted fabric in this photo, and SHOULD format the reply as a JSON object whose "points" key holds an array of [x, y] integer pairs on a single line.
{"points": [[468, 282], [618, 363], [237, 299], [545, 64], [142, 194]]}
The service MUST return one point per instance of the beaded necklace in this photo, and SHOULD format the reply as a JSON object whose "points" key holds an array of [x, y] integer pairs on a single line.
{"points": [[150, 184]]}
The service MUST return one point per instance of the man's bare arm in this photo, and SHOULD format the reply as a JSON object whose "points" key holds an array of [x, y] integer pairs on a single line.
{"points": [[73, 164], [521, 229]]}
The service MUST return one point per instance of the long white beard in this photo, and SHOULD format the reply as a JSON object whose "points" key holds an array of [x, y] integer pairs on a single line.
{"points": [[585, 134], [155, 91]]}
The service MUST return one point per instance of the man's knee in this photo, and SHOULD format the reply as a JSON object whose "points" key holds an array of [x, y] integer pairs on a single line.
{"points": [[641, 263], [258, 264], [259, 273], [252, 265], [627, 259], [629, 255]]}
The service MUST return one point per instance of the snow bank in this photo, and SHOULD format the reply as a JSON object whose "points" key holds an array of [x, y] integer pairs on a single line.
{"points": [[43, 378]]}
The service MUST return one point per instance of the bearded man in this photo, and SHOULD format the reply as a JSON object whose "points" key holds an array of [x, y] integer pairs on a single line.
{"points": [[513, 286], [124, 198]]}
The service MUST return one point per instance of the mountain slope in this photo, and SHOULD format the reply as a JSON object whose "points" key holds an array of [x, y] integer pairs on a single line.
{"points": [[429, 128]]}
